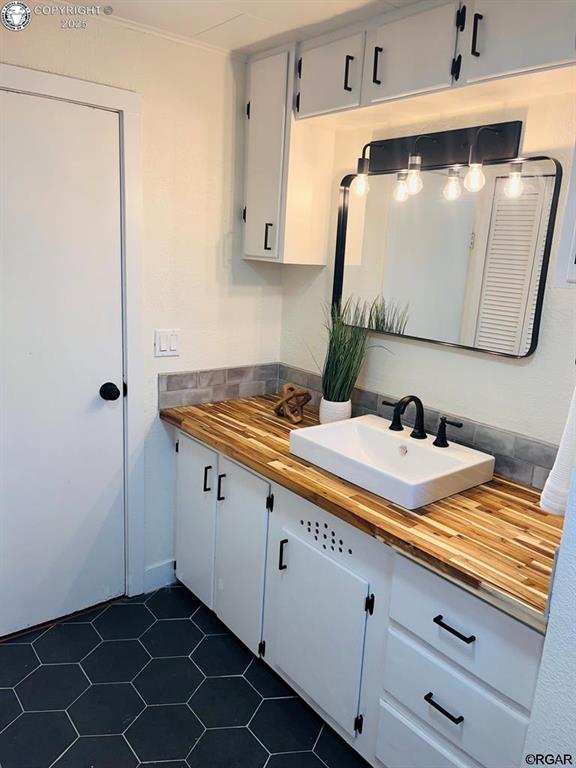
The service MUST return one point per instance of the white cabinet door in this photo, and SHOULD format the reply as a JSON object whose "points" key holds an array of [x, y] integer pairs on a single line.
{"points": [[266, 113], [320, 625], [330, 76], [242, 531], [197, 467], [411, 55], [501, 38]]}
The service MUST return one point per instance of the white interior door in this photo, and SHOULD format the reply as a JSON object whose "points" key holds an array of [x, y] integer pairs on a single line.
{"points": [[61, 443]]}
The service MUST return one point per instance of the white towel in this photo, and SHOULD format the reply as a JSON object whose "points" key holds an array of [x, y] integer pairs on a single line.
{"points": [[555, 494]]}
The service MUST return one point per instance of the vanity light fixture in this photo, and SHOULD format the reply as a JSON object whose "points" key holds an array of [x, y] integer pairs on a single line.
{"points": [[514, 184], [453, 188], [414, 178], [401, 192], [361, 186], [475, 179]]}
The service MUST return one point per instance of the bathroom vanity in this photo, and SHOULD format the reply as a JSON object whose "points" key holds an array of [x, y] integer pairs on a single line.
{"points": [[416, 634]]}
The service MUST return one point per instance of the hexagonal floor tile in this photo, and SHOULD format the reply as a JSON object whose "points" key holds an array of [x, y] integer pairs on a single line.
{"points": [[124, 621], [228, 748], [286, 725], [36, 739], [168, 681], [225, 702], [66, 643], [336, 753], [16, 661], [208, 622], [115, 661], [9, 707], [52, 687], [105, 709], [295, 760], [164, 733], [98, 752], [266, 681], [222, 655], [173, 603], [172, 637]]}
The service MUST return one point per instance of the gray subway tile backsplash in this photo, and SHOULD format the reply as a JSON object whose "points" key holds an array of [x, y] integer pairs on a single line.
{"points": [[517, 457]]}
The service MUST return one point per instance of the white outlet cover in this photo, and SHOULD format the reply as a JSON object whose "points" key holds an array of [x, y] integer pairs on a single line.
{"points": [[166, 342]]}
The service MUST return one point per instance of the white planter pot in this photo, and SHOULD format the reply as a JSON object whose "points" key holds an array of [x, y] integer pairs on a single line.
{"points": [[332, 411]]}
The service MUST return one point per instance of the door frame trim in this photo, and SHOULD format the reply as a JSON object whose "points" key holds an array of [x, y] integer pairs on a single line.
{"points": [[127, 105]]}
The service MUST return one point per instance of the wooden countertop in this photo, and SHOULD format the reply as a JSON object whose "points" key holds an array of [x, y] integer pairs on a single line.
{"points": [[493, 539]]}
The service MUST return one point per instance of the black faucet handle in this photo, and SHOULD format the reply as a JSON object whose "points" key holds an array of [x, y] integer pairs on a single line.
{"points": [[441, 441], [396, 424]]}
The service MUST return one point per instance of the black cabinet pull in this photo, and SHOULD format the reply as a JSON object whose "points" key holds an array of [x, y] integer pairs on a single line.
{"points": [[219, 496], [266, 230], [281, 565], [465, 639], [377, 52], [453, 719], [205, 486], [349, 59], [477, 19]]}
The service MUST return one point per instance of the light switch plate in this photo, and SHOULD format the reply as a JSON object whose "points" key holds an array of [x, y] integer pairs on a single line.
{"points": [[166, 342]]}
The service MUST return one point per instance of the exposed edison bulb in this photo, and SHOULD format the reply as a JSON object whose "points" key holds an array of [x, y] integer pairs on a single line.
{"points": [[401, 193], [474, 179], [514, 184], [361, 186], [414, 179], [453, 188]]}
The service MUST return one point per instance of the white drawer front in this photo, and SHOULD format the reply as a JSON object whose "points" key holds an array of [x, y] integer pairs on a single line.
{"points": [[402, 744], [491, 732], [505, 653]]}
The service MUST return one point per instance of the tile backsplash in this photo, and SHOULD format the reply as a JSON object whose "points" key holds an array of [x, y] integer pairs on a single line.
{"points": [[517, 457]]}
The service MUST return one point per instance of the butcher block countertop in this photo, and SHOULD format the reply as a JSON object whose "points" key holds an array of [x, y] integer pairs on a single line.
{"points": [[493, 540]]}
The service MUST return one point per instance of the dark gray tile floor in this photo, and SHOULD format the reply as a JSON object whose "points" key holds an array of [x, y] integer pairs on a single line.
{"points": [[153, 681]]}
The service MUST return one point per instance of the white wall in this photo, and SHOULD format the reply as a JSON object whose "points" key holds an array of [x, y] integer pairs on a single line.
{"points": [[528, 396], [553, 724], [228, 311]]}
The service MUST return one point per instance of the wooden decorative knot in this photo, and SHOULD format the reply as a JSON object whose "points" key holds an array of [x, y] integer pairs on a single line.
{"points": [[291, 404]]}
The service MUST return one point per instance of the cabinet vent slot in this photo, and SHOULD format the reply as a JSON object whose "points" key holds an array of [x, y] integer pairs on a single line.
{"points": [[359, 723], [262, 648], [326, 537]]}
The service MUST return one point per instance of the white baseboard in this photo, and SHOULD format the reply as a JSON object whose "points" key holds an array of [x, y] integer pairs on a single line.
{"points": [[159, 575]]}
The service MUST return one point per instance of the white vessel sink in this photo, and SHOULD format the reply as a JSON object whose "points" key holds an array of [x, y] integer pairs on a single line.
{"points": [[393, 465]]}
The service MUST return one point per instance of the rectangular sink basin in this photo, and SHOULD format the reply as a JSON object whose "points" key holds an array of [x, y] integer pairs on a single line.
{"points": [[393, 465]]}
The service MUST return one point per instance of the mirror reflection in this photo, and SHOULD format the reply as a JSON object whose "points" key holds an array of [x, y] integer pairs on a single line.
{"points": [[459, 260]]}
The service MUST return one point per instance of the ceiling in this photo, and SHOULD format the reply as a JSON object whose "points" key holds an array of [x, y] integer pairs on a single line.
{"points": [[247, 25]]}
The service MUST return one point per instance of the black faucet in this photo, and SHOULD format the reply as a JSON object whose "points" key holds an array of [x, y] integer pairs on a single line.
{"points": [[441, 441], [419, 433]]}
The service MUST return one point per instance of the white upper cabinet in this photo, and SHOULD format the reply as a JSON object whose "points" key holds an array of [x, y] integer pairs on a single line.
{"points": [[409, 56], [266, 121], [502, 38], [330, 76]]}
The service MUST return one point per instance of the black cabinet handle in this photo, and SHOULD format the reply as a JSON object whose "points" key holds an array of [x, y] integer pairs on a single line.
{"points": [[219, 496], [440, 621], [205, 486], [266, 230], [477, 19], [377, 52], [349, 59], [281, 565], [453, 719]]}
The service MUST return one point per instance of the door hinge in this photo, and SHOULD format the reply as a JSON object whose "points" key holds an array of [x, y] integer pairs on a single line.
{"points": [[298, 102], [270, 502], [456, 66], [299, 67], [461, 19], [177, 446], [125, 389], [369, 604], [262, 648], [359, 723], [248, 110], [244, 213]]}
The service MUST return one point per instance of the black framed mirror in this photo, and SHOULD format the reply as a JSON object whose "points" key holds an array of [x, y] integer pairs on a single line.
{"points": [[450, 265]]}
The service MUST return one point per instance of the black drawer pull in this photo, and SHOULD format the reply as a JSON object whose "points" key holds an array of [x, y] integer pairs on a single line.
{"points": [[453, 719], [440, 621], [205, 486], [266, 230], [281, 564], [219, 496], [474, 49], [375, 79], [349, 59]]}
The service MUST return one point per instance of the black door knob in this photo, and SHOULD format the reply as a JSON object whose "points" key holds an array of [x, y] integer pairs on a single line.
{"points": [[109, 391]]}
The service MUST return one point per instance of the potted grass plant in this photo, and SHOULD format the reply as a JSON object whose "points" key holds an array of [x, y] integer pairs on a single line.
{"points": [[348, 332]]}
